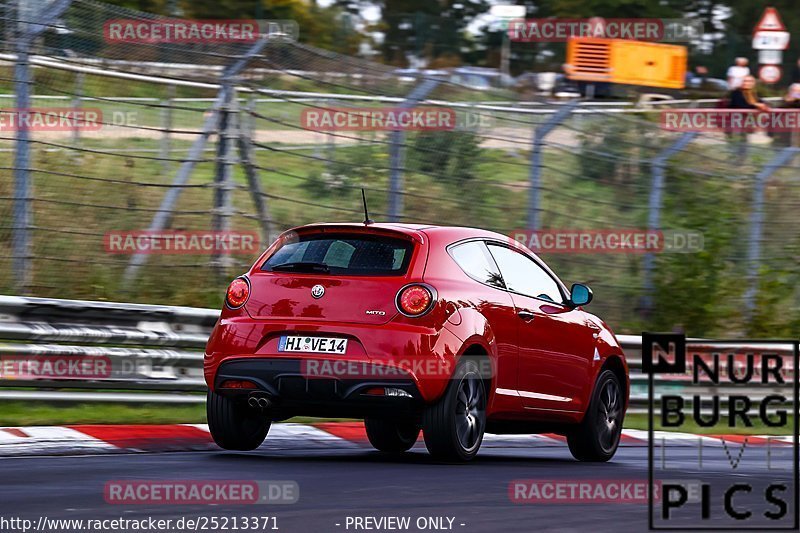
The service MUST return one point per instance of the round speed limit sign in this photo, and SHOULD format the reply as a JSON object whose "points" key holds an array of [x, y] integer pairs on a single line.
{"points": [[769, 73]]}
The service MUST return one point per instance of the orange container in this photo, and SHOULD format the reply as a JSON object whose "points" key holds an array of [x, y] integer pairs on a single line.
{"points": [[626, 62]]}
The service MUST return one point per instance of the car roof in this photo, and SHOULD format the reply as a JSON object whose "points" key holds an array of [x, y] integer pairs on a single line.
{"points": [[445, 235], [444, 232], [457, 233], [389, 225]]}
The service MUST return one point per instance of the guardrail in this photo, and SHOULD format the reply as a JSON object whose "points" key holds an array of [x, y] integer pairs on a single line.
{"points": [[135, 353], [131, 350]]}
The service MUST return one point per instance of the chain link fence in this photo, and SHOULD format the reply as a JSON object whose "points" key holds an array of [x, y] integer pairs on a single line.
{"points": [[211, 137]]}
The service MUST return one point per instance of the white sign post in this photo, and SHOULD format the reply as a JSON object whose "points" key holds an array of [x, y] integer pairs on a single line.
{"points": [[770, 38], [504, 14]]}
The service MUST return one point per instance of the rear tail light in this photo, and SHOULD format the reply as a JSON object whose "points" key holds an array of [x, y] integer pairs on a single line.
{"points": [[415, 300], [238, 293], [387, 391], [237, 384]]}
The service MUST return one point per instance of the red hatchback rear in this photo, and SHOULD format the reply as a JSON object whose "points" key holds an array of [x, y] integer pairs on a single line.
{"points": [[455, 331]]}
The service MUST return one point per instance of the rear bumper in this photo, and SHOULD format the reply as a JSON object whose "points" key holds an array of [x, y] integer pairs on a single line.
{"points": [[286, 383], [425, 357]]}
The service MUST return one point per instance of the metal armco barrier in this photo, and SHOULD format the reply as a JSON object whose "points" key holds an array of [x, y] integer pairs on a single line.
{"points": [[131, 350], [132, 353]]}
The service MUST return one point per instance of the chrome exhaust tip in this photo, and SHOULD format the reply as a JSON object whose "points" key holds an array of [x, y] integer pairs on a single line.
{"points": [[259, 402]]}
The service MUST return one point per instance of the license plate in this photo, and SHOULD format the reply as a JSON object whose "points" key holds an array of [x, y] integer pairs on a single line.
{"points": [[312, 344]]}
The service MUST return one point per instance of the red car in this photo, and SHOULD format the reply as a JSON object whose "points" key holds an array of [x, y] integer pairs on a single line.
{"points": [[452, 331]]}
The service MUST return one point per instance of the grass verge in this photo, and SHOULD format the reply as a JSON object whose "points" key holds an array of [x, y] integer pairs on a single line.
{"points": [[639, 421], [15, 413]]}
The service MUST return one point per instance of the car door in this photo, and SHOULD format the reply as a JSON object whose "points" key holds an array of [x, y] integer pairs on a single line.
{"points": [[491, 299], [556, 342]]}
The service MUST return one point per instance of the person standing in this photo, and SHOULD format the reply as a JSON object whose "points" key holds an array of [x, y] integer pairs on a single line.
{"points": [[737, 73], [745, 97], [790, 101]]}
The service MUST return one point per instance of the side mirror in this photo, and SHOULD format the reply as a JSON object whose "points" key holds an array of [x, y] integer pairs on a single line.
{"points": [[580, 294]]}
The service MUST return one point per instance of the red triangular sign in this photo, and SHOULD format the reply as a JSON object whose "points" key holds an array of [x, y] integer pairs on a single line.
{"points": [[770, 21]]}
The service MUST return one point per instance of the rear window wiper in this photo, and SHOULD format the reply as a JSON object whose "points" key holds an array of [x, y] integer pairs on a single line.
{"points": [[301, 266]]}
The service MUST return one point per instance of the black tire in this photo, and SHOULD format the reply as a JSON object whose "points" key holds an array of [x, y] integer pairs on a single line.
{"points": [[392, 435], [453, 427], [596, 438], [235, 425]]}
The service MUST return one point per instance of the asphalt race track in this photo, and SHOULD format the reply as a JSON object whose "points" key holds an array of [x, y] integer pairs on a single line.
{"points": [[335, 484]]}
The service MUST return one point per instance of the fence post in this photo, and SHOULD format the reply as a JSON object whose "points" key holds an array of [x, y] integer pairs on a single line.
{"points": [[246, 157], [221, 212], [248, 123], [10, 13], [166, 126], [23, 217], [535, 175], [330, 148], [164, 213], [756, 222], [397, 151], [658, 167], [76, 105]]}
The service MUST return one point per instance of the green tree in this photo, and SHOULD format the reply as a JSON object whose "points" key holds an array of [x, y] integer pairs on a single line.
{"points": [[324, 27], [700, 293], [426, 29]]}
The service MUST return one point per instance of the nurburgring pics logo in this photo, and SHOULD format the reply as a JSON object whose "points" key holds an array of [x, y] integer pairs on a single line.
{"points": [[557, 30], [51, 119], [722, 385], [169, 242], [625, 241]]}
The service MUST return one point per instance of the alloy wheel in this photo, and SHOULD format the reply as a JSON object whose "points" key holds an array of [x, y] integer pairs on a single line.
{"points": [[610, 412], [470, 411]]}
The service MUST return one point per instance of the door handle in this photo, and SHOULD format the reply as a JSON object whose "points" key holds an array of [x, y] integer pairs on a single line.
{"points": [[527, 316]]}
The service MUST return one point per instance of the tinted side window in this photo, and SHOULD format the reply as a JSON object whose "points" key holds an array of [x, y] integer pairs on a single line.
{"points": [[524, 276], [475, 260]]}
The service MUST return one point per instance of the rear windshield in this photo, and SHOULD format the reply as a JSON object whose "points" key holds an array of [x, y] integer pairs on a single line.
{"points": [[347, 254]]}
